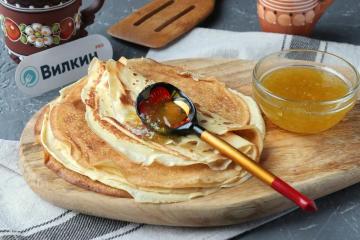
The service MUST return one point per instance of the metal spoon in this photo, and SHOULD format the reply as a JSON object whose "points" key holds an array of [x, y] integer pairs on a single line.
{"points": [[164, 92]]}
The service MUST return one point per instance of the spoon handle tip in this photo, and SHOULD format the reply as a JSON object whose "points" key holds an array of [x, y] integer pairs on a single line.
{"points": [[298, 198]]}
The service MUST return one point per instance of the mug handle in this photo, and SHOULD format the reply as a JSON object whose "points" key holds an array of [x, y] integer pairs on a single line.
{"points": [[88, 14]]}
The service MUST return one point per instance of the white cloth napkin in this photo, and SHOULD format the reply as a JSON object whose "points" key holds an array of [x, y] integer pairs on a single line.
{"points": [[211, 43], [24, 214]]}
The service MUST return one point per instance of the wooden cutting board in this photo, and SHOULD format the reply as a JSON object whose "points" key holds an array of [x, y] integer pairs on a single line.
{"points": [[317, 165]]}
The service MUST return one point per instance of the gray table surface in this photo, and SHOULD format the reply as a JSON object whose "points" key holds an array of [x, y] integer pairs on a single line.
{"points": [[339, 215]]}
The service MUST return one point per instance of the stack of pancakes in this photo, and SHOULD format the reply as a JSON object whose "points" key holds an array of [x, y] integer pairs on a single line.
{"points": [[93, 138]]}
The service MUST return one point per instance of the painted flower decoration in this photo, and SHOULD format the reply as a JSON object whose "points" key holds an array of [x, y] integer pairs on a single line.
{"points": [[40, 35]]}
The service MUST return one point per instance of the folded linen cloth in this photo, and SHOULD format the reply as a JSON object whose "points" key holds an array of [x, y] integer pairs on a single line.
{"points": [[211, 43], [23, 215]]}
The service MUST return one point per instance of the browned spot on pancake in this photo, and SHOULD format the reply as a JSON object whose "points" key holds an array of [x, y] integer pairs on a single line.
{"points": [[78, 104], [197, 105], [208, 150], [192, 142], [46, 156], [126, 98], [203, 121], [90, 101], [208, 80], [185, 74], [207, 114]]}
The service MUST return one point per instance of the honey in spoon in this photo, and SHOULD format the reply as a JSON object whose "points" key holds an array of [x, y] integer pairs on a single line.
{"points": [[162, 111]]}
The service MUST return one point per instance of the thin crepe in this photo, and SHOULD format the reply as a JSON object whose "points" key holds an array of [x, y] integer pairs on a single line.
{"points": [[67, 138], [110, 94], [97, 141]]}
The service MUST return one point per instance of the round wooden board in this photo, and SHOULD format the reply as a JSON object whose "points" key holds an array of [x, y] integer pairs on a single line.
{"points": [[315, 164]]}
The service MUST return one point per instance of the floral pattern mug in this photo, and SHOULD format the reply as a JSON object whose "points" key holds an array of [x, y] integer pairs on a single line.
{"points": [[29, 29]]}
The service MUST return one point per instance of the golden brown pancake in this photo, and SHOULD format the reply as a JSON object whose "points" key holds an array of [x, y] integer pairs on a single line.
{"points": [[68, 124], [71, 176], [111, 82], [93, 163]]}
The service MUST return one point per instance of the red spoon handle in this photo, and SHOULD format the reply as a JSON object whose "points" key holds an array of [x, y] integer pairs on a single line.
{"points": [[301, 200]]}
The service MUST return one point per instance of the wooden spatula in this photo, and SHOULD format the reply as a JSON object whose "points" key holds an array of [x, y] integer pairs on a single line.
{"points": [[161, 21]]}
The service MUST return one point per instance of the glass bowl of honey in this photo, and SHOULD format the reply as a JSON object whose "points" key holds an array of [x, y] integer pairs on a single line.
{"points": [[305, 91]]}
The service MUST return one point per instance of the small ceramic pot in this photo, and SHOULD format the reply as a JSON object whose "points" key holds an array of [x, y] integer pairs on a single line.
{"points": [[31, 26], [290, 16]]}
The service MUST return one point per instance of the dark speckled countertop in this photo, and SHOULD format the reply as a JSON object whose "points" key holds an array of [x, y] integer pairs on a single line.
{"points": [[339, 217]]}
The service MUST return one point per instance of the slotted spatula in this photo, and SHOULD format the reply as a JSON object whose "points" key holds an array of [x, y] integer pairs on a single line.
{"points": [[161, 21]]}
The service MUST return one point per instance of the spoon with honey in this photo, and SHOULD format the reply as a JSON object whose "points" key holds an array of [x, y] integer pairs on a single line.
{"points": [[167, 110]]}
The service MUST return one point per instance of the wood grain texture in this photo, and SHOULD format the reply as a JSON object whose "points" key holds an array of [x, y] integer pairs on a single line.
{"points": [[161, 21], [317, 165]]}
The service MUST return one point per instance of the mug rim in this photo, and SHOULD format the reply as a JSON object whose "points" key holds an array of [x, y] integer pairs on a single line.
{"points": [[36, 10]]}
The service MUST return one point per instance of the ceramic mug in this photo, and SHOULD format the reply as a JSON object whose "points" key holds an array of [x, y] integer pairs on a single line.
{"points": [[30, 28], [290, 16]]}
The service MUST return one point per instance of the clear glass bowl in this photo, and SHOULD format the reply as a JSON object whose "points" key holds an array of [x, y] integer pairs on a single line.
{"points": [[305, 116]]}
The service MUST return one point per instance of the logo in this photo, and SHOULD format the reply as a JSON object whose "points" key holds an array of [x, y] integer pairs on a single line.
{"points": [[29, 77]]}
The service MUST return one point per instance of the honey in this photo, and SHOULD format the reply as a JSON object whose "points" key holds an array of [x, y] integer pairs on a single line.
{"points": [[303, 99], [165, 115], [162, 112]]}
